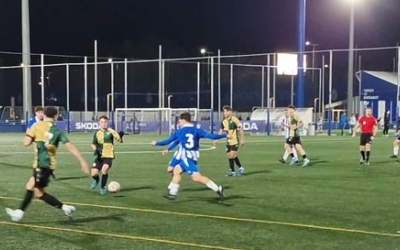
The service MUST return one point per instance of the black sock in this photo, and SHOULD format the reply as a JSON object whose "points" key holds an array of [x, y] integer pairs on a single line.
{"points": [[237, 162], [232, 165], [27, 199], [51, 200], [363, 155], [292, 155], [368, 154], [96, 178], [104, 178]]}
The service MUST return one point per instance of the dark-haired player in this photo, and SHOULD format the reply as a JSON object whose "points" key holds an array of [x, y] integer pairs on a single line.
{"points": [[232, 126], [189, 137], [103, 147], [46, 137]]}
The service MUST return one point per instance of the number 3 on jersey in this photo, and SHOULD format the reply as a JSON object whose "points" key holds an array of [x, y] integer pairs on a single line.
{"points": [[189, 141]]}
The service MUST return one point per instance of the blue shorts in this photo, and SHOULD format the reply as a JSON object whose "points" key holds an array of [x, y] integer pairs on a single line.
{"points": [[173, 162], [189, 166]]}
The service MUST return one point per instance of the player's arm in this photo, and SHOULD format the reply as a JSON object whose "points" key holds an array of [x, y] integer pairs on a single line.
{"points": [[115, 135], [74, 151], [299, 122], [375, 129], [30, 136], [171, 147], [241, 131], [164, 142], [356, 127]]}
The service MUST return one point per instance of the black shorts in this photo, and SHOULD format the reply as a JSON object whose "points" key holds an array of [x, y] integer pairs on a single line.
{"points": [[365, 138], [42, 176], [99, 162], [230, 148], [293, 140]]}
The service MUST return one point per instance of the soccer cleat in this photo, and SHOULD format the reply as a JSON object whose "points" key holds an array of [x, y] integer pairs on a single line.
{"points": [[293, 161], [231, 174], [282, 161], [305, 162], [102, 191], [393, 156], [170, 196], [68, 210], [15, 215], [220, 192], [240, 171], [94, 184], [362, 161], [366, 163]]}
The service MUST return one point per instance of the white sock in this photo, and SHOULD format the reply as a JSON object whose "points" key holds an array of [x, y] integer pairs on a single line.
{"points": [[396, 150], [211, 185], [285, 155], [174, 188], [169, 186]]}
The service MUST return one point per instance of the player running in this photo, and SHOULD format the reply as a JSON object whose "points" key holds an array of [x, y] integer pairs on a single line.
{"points": [[46, 137], [189, 137], [103, 147], [396, 143]]}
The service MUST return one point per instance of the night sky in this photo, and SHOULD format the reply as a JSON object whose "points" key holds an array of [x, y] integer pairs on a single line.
{"points": [[234, 26], [134, 29]]}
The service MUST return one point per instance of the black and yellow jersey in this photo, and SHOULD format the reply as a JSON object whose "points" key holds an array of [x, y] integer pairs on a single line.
{"points": [[293, 121], [104, 142], [46, 136], [231, 126]]}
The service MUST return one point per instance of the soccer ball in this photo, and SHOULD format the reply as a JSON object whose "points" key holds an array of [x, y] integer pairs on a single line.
{"points": [[113, 187]]}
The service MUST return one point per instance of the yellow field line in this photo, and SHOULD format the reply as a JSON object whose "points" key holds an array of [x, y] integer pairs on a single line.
{"points": [[282, 223], [119, 236]]}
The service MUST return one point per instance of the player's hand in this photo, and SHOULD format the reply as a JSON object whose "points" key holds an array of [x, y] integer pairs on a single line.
{"points": [[153, 143], [372, 138], [242, 143], [165, 152], [354, 134], [121, 135], [85, 167]]}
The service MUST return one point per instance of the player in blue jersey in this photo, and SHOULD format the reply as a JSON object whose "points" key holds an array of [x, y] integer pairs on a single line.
{"points": [[39, 115], [396, 143], [189, 136]]}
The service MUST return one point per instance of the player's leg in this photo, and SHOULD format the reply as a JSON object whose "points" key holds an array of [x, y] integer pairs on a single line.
{"points": [[17, 214], [299, 147], [107, 163], [231, 161], [395, 148], [96, 168], [175, 183], [193, 170], [363, 142], [170, 169], [289, 145], [285, 155], [233, 153]]}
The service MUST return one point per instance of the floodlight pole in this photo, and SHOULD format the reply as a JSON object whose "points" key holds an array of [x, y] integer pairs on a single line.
{"points": [[350, 75], [301, 46], [26, 59]]}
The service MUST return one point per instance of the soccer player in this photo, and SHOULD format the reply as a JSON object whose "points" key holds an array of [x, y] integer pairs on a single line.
{"points": [[286, 134], [294, 123], [231, 125], [47, 138], [189, 137], [39, 115], [396, 143], [368, 127], [103, 147]]}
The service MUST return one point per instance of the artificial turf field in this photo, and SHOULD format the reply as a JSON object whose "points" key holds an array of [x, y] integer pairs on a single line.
{"points": [[334, 203]]}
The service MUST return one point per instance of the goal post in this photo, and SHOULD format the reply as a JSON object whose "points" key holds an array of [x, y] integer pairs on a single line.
{"points": [[157, 120]]}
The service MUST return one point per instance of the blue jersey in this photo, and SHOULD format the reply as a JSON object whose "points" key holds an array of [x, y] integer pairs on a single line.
{"points": [[31, 121], [189, 141]]}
